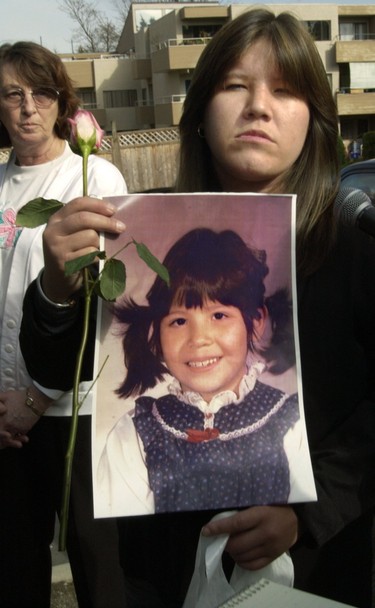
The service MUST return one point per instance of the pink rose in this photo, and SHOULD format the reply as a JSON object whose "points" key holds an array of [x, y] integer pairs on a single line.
{"points": [[85, 131]]}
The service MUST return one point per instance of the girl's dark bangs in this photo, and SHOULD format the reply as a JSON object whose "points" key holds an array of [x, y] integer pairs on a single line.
{"points": [[195, 294]]}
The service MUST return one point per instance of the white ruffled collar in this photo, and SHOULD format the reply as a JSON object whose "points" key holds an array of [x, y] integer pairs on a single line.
{"points": [[224, 398]]}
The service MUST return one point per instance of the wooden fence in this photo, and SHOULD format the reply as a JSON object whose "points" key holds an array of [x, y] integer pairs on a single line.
{"points": [[147, 166], [147, 159]]}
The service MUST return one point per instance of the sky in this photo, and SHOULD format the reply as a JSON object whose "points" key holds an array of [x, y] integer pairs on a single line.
{"points": [[43, 22]]}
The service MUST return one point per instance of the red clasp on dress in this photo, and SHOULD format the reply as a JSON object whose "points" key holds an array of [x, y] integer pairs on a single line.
{"points": [[196, 436]]}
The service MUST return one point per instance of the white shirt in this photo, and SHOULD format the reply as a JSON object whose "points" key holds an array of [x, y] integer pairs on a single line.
{"points": [[21, 254]]}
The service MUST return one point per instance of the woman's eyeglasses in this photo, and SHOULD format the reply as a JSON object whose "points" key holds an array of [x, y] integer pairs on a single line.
{"points": [[14, 97]]}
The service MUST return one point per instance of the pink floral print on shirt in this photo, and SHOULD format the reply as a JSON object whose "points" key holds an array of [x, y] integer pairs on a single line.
{"points": [[9, 232]]}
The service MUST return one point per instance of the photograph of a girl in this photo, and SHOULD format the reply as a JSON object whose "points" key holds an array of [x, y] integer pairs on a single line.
{"points": [[216, 435]]}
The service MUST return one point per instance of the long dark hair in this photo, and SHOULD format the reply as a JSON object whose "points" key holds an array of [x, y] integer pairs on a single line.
{"points": [[314, 176], [203, 265]]}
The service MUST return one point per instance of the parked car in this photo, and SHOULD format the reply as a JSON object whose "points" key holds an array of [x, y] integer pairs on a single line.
{"points": [[360, 175]]}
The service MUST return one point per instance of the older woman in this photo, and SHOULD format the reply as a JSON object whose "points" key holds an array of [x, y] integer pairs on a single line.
{"points": [[36, 100]]}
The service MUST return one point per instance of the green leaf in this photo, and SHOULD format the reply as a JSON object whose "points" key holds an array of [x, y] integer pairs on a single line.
{"points": [[112, 280], [83, 261], [37, 212], [152, 262]]}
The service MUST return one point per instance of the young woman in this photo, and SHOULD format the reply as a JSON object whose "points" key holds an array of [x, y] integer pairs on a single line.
{"points": [[216, 438], [259, 116]]}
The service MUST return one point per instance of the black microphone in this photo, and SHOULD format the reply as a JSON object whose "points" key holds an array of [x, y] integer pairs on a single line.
{"points": [[354, 208]]}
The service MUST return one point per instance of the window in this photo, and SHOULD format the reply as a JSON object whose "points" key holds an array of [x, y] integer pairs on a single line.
{"points": [[320, 30], [120, 99], [353, 127], [353, 31], [143, 17], [88, 98], [204, 30], [362, 126], [344, 77]]}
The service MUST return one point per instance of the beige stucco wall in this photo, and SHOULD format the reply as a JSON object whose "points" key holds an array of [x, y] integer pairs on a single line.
{"points": [[116, 74]]}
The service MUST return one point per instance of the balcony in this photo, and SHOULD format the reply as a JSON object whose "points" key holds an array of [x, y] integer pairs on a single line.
{"points": [[188, 13], [177, 54], [355, 101], [350, 51], [81, 72], [168, 110]]}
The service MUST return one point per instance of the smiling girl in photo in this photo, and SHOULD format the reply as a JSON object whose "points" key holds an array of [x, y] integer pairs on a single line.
{"points": [[216, 439]]}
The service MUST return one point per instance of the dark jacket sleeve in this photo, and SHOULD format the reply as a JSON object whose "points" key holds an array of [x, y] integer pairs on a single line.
{"points": [[50, 339], [337, 342]]}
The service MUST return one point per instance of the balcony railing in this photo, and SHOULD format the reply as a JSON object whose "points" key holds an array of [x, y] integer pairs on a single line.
{"points": [[355, 37], [170, 99], [348, 90], [171, 42], [90, 106]]}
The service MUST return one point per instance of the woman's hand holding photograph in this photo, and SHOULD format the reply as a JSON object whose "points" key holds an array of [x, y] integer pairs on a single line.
{"points": [[258, 535]]}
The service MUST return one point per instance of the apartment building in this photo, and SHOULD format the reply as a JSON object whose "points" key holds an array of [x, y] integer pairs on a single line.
{"points": [[145, 84], [107, 88]]}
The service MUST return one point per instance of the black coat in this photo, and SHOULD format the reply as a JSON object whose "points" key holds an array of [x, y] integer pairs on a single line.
{"points": [[336, 312]]}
